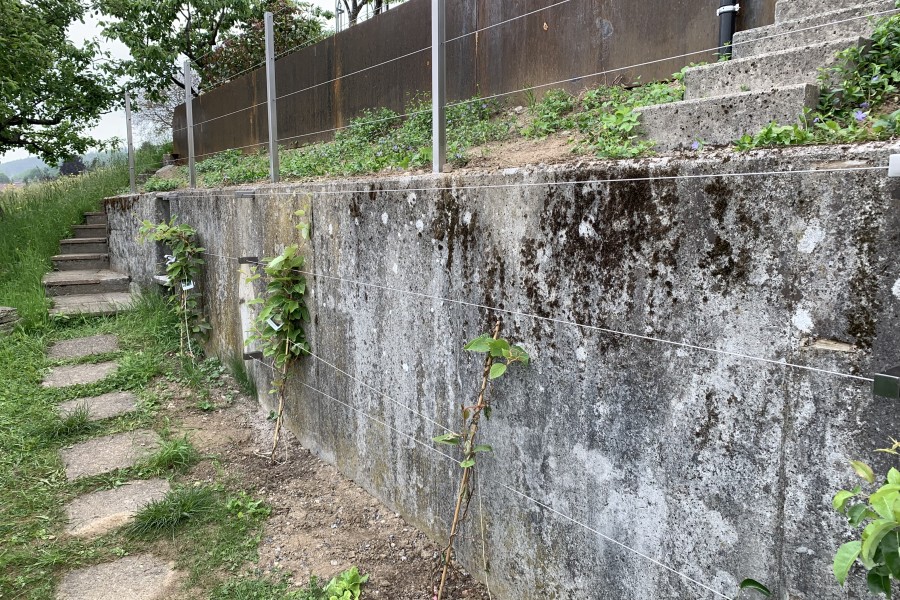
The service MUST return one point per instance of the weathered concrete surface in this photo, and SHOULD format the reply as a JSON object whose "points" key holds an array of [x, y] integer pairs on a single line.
{"points": [[141, 577], [816, 27], [720, 121], [9, 318], [97, 513], [718, 466], [108, 453], [91, 304], [101, 407], [765, 72], [86, 346], [79, 374]]}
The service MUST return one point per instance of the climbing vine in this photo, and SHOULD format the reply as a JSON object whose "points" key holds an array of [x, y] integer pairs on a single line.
{"points": [[878, 513], [280, 325], [182, 271], [499, 355]]}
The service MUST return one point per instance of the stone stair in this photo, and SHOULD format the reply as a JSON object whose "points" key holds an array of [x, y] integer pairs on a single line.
{"points": [[772, 75], [82, 282]]}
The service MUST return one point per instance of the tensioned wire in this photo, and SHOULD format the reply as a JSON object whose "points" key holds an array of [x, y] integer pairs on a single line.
{"points": [[529, 184], [510, 489], [571, 323], [525, 89], [559, 82]]}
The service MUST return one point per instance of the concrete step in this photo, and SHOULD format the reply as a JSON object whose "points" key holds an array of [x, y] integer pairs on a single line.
{"points": [[794, 10], [816, 29], [723, 119], [764, 72], [86, 281], [80, 262], [89, 231], [84, 246], [91, 304], [95, 218]]}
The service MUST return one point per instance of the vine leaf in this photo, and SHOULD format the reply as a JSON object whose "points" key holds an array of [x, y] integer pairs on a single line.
{"points": [[844, 559], [863, 470], [497, 369]]}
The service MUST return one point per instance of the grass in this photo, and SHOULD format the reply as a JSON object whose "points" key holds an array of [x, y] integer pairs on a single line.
{"points": [[34, 219], [179, 506], [381, 139], [77, 422], [173, 454]]}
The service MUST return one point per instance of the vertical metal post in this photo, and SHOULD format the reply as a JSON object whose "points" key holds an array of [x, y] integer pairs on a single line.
{"points": [[128, 137], [438, 84], [189, 110], [274, 165]]}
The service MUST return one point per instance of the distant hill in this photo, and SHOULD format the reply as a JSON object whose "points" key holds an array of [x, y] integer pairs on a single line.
{"points": [[15, 168]]}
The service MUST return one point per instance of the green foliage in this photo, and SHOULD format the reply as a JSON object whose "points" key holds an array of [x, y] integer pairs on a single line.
{"points": [[34, 219], [164, 516], [183, 271], [499, 349], [51, 91], [296, 25], [604, 116], [75, 423], [173, 454], [551, 114], [878, 513], [219, 38], [345, 586], [159, 184], [752, 584], [376, 140], [854, 91], [280, 325], [239, 371]]}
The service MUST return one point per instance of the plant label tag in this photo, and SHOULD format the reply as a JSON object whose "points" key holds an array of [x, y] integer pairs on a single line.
{"points": [[169, 259], [275, 326], [187, 285]]}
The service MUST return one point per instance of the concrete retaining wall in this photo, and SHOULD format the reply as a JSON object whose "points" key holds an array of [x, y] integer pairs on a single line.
{"points": [[718, 466]]}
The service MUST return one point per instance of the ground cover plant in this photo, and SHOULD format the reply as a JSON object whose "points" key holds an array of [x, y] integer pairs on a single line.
{"points": [[859, 99], [602, 121]]}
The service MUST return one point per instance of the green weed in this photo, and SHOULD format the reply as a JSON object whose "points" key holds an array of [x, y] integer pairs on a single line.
{"points": [[173, 454], [179, 506], [77, 422], [239, 371]]}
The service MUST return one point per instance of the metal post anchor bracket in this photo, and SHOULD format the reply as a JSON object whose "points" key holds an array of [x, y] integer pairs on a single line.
{"points": [[887, 384]]}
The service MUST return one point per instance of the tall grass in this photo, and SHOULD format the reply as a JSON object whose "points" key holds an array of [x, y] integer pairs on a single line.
{"points": [[33, 220]]}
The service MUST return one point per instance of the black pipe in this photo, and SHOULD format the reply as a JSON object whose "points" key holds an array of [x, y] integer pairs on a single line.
{"points": [[727, 12]]}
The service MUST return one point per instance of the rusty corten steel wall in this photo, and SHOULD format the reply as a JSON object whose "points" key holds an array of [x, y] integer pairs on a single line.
{"points": [[577, 39]]}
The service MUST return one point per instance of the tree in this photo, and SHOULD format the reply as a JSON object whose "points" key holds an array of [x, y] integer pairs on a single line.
{"points": [[354, 7], [4, 178], [51, 91], [72, 166], [160, 33], [296, 25]]}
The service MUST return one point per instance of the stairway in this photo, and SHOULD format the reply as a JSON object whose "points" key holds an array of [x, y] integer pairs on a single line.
{"points": [[82, 282], [772, 75]]}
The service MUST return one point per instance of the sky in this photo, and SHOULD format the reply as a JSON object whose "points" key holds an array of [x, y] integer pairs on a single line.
{"points": [[112, 124]]}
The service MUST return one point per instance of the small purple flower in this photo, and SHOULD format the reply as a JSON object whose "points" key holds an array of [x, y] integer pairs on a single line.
{"points": [[816, 120], [859, 116], [695, 146], [864, 105], [875, 79]]}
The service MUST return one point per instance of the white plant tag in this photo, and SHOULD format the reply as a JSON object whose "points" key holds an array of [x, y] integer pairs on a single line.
{"points": [[188, 285], [273, 324]]}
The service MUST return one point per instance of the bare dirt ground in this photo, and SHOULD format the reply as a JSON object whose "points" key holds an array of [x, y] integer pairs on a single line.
{"points": [[322, 523]]}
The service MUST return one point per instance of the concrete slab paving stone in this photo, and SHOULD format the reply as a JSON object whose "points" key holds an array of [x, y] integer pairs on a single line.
{"points": [[78, 374], [100, 407], [97, 513], [108, 453], [140, 577], [86, 346]]}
